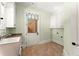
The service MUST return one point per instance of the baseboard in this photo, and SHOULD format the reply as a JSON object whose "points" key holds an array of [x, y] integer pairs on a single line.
{"points": [[45, 41], [58, 43], [65, 53], [40, 42]]}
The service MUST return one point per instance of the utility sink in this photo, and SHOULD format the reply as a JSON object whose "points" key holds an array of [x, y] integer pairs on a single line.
{"points": [[10, 46], [9, 40]]}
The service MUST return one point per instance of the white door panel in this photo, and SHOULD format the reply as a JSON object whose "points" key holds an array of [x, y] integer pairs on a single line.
{"points": [[72, 31], [32, 38]]}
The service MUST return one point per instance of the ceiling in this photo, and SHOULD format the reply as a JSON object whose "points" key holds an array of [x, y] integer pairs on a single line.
{"points": [[46, 6], [24, 3], [50, 6]]}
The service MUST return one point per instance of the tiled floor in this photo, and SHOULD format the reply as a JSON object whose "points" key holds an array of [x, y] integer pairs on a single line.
{"points": [[47, 49]]}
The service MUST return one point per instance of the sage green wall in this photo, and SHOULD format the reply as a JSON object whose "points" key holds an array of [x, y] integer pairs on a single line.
{"points": [[44, 23]]}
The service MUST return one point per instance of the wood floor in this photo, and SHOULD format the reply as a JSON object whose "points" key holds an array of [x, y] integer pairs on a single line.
{"points": [[47, 49]]}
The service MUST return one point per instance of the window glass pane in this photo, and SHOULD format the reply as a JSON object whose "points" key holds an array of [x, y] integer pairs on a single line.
{"points": [[32, 26]]}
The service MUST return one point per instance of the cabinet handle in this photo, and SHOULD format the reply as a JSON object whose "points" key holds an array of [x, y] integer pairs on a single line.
{"points": [[1, 18]]}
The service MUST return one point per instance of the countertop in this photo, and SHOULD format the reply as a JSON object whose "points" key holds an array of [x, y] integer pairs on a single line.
{"points": [[13, 35], [11, 38]]}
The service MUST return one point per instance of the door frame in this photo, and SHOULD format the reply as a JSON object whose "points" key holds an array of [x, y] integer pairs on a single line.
{"points": [[26, 26]]}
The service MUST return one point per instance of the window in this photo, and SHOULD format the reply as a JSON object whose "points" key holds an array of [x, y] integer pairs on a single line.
{"points": [[32, 26], [32, 23]]}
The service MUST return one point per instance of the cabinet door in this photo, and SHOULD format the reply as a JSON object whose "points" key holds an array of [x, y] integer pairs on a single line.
{"points": [[57, 35], [2, 21], [10, 14], [59, 21], [53, 22], [71, 29], [0, 15]]}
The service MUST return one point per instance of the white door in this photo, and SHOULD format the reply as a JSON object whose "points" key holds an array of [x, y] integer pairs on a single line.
{"points": [[71, 32], [76, 47], [2, 15], [32, 37], [75, 31]]}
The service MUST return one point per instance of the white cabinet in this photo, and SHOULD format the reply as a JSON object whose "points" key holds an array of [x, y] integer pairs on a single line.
{"points": [[0, 9], [59, 21], [53, 22], [10, 15], [56, 20], [10, 46], [57, 35], [2, 15]]}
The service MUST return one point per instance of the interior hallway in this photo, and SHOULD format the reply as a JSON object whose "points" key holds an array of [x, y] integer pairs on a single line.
{"points": [[46, 49]]}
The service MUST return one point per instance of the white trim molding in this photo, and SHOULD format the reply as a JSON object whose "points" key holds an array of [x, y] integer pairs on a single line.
{"points": [[65, 53]]}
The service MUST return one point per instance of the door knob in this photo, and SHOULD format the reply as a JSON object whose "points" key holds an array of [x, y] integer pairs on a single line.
{"points": [[73, 43]]}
